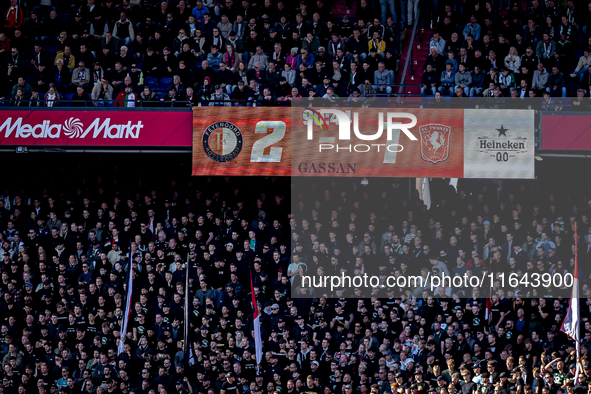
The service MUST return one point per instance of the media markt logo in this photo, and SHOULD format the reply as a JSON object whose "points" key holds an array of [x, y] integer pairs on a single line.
{"points": [[72, 128], [435, 142], [503, 145]]}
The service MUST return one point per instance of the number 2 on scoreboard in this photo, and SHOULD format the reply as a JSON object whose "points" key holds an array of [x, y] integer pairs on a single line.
{"points": [[258, 148]]}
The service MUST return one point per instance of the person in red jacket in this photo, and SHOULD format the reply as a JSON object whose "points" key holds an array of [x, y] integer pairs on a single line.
{"points": [[127, 98], [13, 16], [5, 44]]}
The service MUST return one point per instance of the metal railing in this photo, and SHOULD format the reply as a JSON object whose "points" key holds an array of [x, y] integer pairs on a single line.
{"points": [[163, 105]]}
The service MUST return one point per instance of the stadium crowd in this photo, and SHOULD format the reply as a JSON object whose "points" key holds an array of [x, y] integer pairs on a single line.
{"points": [[152, 53], [543, 50], [67, 253]]}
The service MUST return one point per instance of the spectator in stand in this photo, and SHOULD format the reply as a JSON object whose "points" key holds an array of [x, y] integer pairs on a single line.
{"points": [[472, 28], [259, 58], [305, 58], [530, 60], [67, 58], [383, 79], [430, 80], [13, 17], [377, 44], [127, 98], [506, 82], [219, 98], [545, 49], [102, 93], [199, 11], [436, 60], [41, 77], [123, 30], [463, 80], [557, 83], [311, 43], [478, 79], [81, 76], [438, 43], [52, 97], [24, 86], [540, 80], [214, 58], [148, 98], [81, 98], [447, 80], [583, 64], [586, 80], [513, 61], [60, 76]]}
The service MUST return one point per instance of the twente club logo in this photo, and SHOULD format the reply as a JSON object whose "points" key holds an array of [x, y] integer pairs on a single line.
{"points": [[435, 142], [222, 141]]}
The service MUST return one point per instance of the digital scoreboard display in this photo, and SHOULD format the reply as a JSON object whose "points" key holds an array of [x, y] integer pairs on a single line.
{"points": [[363, 142]]}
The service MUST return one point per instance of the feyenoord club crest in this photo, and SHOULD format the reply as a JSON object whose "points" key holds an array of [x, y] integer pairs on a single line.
{"points": [[435, 142]]}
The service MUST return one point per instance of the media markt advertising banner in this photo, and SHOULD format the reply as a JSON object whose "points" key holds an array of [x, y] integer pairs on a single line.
{"points": [[95, 128]]}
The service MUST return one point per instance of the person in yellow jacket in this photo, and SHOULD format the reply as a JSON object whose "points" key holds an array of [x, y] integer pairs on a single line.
{"points": [[377, 43], [67, 57]]}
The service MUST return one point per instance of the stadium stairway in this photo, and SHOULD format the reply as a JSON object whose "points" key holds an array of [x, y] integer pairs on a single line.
{"points": [[419, 55]]}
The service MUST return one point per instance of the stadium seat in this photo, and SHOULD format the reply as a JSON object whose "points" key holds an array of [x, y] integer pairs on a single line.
{"points": [[66, 101], [165, 83], [152, 83]]}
